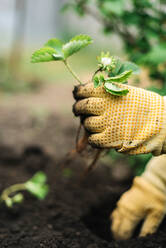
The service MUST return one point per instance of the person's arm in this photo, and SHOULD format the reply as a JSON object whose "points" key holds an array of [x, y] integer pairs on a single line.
{"points": [[146, 200]]}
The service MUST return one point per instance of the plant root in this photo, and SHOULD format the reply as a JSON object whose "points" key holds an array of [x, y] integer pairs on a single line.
{"points": [[81, 145], [92, 164]]}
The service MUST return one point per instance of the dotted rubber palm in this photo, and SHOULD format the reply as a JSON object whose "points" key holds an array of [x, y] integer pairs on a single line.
{"points": [[134, 123]]}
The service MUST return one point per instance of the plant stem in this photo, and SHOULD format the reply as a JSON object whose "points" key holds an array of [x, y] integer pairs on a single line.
{"points": [[96, 72], [72, 72], [14, 188]]}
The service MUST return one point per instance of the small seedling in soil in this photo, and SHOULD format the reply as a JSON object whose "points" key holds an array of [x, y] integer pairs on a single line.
{"points": [[36, 186], [111, 70]]}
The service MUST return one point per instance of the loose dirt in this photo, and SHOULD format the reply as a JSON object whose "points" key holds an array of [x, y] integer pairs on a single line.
{"points": [[75, 214]]}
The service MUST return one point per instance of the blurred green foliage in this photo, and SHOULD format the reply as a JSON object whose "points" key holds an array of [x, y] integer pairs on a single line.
{"points": [[137, 163], [141, 25]]}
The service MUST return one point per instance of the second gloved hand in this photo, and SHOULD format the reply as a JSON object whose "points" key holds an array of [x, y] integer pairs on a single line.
{"points": [[146, 200], [143, 201], [134, 124]]}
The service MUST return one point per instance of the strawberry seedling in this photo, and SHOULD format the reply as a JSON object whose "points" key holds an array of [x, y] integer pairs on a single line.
{"points": [[111, 70], [36, 186], [115, 69]]}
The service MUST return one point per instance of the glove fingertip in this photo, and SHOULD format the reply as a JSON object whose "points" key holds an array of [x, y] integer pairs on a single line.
{"points": [[75, 91], [74, 109]]}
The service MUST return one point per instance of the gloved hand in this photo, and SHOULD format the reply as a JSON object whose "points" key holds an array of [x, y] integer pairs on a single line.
{"points": [[142, 201], [145, 200], [135, 123]]}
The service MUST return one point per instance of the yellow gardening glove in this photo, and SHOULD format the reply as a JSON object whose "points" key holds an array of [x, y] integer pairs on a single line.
{"points": [[135, 123], [146, 200]]}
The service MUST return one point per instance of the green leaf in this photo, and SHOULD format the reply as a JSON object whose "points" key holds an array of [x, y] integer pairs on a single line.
{"points": [[101, 78], [98, 80], [118, 65], [58, 57], [36, 185], [18, 198], [39, 178], [129, 66], [115, 90], [51, 51], [40, 191], [75, 44], [43, 55], [120, 78], [56, 44], [9, 202]]}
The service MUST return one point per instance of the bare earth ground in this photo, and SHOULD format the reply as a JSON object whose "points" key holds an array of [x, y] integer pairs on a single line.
{"points": [[36, 132], [39, 118]]}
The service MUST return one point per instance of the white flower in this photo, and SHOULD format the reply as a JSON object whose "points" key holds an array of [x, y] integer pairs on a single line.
{"points": [[106, 61]]}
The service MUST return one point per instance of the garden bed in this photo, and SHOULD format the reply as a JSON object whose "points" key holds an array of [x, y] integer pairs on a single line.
{"points": [[75, 213]]}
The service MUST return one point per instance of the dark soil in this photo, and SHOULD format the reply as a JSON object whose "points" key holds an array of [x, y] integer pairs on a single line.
{"points": [[74, 214]]}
